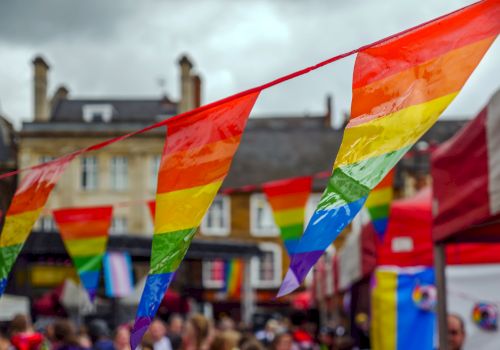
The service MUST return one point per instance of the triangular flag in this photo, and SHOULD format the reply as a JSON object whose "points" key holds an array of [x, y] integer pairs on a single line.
{"points": [[378, 204]]}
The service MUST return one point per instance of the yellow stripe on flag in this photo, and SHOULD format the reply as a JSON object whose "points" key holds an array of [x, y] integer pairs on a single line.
{"points": [[384, 308], [85, 247], [379, 197], [289, 217], [183, 209], [391, 132], [17, 227]]}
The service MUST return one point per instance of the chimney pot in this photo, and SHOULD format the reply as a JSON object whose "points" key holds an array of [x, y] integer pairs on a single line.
{"points": [[41, 103]]}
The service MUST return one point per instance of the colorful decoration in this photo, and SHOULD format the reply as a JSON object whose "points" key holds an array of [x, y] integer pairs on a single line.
{"points": [[25, 208], [400, 88], [395, 317], [233, 277], [288, 199], [85, 234], [485, 316], [197, 156], [425, 296], [118, 274], [378, 203]]}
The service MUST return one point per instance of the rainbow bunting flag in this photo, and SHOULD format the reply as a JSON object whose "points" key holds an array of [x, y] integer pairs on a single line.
{"points": [[397, 321], [233, 277], [288, 199], [25, 208], [85, 232], [378, 203], [197, 156], [400, 88]]}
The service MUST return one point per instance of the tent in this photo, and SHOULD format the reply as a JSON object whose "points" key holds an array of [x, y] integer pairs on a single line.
{"points": [[466, 185]]}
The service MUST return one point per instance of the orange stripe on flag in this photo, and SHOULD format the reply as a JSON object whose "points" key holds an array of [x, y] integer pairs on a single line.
{"points": [[294, 200], [84, 229]]}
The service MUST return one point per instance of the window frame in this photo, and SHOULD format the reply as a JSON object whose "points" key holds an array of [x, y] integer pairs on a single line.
{"points": [[95, 173], [112, 228], [155, 163], [226, 217], [278, 267], [206, 274], [118, 170], [89, 111], [255, 230]]}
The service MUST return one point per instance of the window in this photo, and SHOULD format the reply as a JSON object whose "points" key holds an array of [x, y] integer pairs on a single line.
{"points": [[118, 226], [266, 269], [93, 113], [261, 217], [216, 220], [119, 173], [46, 224], [312, 204], [155, 168], [46, 159], [89, 173], [213, 273]]}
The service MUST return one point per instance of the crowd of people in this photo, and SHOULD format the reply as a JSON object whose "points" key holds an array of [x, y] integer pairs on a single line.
{"points": [[195, 332]]}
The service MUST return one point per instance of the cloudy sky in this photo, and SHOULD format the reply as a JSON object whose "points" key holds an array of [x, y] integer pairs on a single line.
{"points": [[123, 48]]}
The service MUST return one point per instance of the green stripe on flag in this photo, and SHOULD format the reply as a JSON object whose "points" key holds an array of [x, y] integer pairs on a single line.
{"points": [[379, 212], [291, 232], [8, 257], [169, 249], [88, 263]]}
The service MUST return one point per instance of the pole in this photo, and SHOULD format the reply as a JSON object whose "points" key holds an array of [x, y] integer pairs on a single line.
{"points": [[247, 301], [442, 313]]}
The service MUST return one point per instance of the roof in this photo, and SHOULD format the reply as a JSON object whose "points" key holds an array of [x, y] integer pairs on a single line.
{"points": [[139, 247], [124, 110]]}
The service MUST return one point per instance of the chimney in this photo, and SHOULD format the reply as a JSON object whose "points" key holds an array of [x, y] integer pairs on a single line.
{"points": [[41, 108], [61, 94], [197, 90], [329, 112], [186, 102]]}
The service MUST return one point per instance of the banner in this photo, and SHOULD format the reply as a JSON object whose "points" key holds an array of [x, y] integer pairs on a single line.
{"points": [[400, 88], [398, 322], [85, 232], [118, 274], [288, 199], [25, 208], [197, 156]]}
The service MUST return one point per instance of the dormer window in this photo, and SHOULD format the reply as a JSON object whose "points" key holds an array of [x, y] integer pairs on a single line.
{"points": [[97, 113]]}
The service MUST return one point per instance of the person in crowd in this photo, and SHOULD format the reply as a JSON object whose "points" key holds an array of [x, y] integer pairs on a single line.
{"points": [[456, 332], [64, 336], [158, 332], [252, 344], [196, 333], [121, 340], [225, 340], [266, 335], [326, 338], [283, 341], [226, 323], [22, 336], [301, 337], [175, 324], [100, 335], [4, 342]]}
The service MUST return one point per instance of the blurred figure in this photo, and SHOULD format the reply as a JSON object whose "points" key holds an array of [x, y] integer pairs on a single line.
{"points": [[266, 336], [175, 324], [456, 332], [327, 338], [64, 336], [121, 340], [4, 342], [301, 336], [226, 324], [283, 341], [158, 333], [22, 336], [196, 333], [253, 344], [100, 335], [226, 340]]}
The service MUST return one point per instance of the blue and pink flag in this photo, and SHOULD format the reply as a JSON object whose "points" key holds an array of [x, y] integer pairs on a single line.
{"points": [[118, 274]]}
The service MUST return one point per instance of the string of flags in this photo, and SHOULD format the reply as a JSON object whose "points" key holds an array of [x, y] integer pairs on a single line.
{"points": [[401, 85]]}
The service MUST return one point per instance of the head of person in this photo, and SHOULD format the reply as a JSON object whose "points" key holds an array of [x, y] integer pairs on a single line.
{"points": [[19, 324], [327, 336], [175, 324], [283, 341], [456, 332], [64, 332], [122, 338], [98, 330], [196, 330], [158, 330], [226, 323]]}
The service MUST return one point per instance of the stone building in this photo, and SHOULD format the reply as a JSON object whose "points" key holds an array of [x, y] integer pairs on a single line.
{"points": [[8, 162]]}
